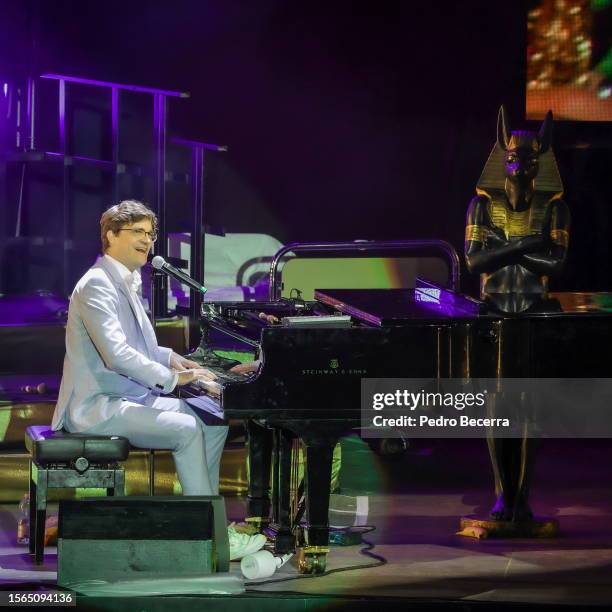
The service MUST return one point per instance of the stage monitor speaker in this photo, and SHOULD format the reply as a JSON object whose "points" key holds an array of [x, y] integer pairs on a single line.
{"points": [[123, 538]]}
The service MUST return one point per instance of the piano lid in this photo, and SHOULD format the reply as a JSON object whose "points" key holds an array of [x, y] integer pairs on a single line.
{"points": [[388, 307]]}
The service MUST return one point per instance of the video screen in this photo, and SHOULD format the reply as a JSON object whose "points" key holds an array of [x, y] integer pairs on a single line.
{"points": [[569, 59]]}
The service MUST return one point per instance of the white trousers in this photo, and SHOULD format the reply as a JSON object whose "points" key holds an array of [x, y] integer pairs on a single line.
{"points": [[170, 423]]}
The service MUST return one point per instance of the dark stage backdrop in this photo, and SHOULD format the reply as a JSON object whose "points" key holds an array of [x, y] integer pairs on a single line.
{"points": [[344, 120]]}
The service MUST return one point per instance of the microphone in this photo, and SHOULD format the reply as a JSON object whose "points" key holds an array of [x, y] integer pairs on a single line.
{"points": [[159, 263]]}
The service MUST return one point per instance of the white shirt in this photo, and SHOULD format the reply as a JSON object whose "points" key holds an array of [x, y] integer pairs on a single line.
{"points": [[133, 282]]}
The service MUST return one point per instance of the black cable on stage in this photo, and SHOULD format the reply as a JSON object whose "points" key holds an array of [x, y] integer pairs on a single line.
{"points": [[366, 551]]}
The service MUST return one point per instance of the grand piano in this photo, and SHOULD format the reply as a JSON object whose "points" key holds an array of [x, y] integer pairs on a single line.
{"points": [[315, 353]]}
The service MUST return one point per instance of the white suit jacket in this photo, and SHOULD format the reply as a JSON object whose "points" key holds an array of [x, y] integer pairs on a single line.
{"points": [[110, 356]]}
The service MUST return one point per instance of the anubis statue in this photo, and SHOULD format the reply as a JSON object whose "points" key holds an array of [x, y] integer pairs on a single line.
{"points": [[517, 234]]}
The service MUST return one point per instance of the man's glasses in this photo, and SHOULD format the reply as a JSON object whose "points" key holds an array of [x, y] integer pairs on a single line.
{"points": [[140, 233]]}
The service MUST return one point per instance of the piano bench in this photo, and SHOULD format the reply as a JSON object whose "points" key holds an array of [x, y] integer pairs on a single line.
{"points": [[69, 460]]}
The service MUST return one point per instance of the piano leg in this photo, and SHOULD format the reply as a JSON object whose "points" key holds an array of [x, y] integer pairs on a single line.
{"points": [[282, 519], [313, 555], [260, 445]]}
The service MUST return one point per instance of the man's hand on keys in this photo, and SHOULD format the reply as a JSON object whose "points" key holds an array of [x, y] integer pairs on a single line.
{"points": [[246, 368], [187, 376], [180, 363]]}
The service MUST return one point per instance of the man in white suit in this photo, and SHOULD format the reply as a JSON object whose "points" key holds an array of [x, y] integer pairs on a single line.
{"points": [[115, 373]]}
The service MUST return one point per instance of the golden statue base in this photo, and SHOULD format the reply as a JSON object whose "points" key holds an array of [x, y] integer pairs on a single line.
{"points": [[480, 528]]}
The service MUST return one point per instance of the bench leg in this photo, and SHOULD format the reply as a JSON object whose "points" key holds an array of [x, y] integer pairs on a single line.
{"points": [[118, 487], [120, 482], [32, 488], [41, 515]]}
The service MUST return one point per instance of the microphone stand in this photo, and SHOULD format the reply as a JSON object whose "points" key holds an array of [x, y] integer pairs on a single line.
{"points": [[157, 284]]}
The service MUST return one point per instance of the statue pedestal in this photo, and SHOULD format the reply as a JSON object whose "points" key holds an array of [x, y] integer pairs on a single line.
{"points": [[481, 527]]}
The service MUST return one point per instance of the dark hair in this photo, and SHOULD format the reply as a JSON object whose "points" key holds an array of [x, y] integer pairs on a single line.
{"points": [[122, 214]]}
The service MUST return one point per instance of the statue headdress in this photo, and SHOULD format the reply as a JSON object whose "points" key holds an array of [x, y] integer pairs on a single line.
{"points": [[548, 179]]}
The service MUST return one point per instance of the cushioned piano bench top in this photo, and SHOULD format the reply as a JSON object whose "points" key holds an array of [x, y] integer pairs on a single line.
{"points": [[53, 447]]}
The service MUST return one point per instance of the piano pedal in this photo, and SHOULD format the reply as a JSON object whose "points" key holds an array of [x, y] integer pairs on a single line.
{"points": [[312, 559]]}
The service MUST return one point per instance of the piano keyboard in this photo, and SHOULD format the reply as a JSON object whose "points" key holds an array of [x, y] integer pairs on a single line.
{"points": [[215, 387], [210, 387]]}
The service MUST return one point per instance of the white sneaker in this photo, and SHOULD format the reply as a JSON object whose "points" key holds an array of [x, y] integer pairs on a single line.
{"points": [[241, 544]]}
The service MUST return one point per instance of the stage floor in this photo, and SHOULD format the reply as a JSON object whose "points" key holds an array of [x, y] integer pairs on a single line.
{"points": [[427, 564]]}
